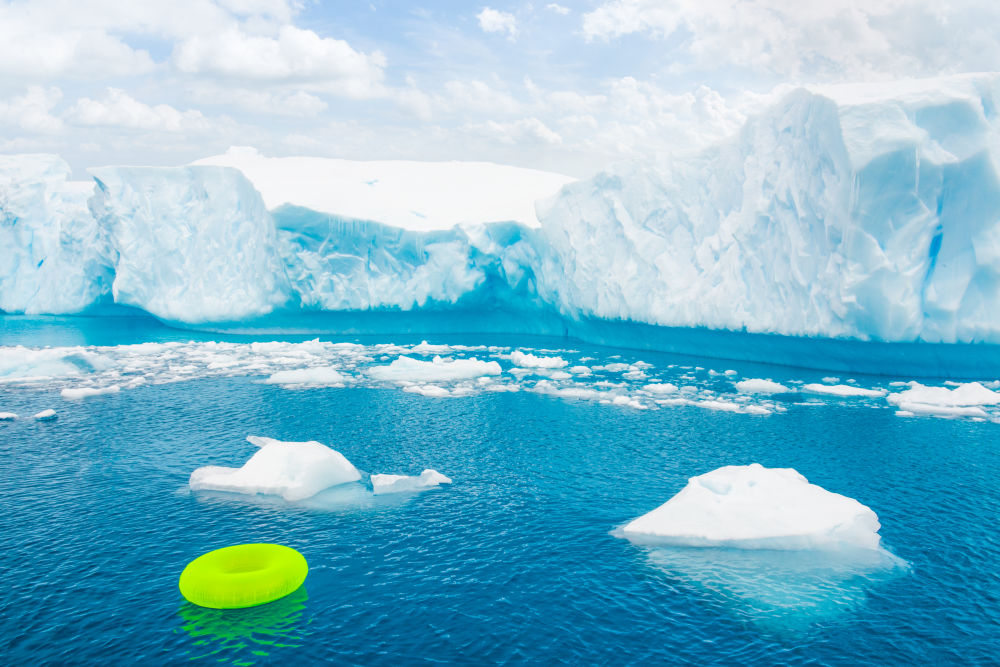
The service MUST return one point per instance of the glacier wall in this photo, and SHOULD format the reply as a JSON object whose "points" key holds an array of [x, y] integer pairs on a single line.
{"points": [[857, 212], [191, 244], [861, 212], [53, 256]]}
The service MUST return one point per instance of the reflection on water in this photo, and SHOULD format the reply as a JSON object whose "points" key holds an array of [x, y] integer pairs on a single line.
{"points": [[341, 499], [243, 636], [783, 590]]}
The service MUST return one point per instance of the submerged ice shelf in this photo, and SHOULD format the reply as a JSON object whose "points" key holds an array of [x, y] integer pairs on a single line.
{"points": [[866, 213]]}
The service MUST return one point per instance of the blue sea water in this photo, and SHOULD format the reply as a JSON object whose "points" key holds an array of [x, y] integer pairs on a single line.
{"points": [[512, 563]]}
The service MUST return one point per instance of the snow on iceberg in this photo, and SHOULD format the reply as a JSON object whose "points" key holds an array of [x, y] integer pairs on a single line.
{"points": [[965, 400], [866, 212], [292, 470], [410, 195], [21, 363], [408, 369], [753, 507], [53, 257], [428, 479], [192, 244]]}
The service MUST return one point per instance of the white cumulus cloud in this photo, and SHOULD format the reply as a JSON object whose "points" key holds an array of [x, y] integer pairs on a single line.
{"points": [[119, 109], [492, 20]]}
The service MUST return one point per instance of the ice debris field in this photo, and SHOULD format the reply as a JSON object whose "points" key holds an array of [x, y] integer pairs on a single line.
{"points": [[442, 371], [847, 212]]}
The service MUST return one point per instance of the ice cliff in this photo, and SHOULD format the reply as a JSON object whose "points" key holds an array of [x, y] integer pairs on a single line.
{"points": [[857, 212]]}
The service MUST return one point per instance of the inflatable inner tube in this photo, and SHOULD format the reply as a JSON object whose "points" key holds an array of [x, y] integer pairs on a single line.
{"points": [[245, 575]]}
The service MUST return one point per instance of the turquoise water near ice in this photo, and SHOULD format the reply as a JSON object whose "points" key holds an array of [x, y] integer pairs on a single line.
{"points": [[513, 562]]}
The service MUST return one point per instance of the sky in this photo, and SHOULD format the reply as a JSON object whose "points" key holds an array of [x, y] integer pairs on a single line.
{"points": [[566, 86]]}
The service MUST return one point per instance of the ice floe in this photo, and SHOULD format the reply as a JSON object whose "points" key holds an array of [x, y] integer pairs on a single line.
{"points": [[525, 360], [323, 376], [292, 470], [753, 507], [79, 393], [965, 400], [7, 416], [408, 369], [45, 415], [760, 386], [428, 479], [844, 390]]}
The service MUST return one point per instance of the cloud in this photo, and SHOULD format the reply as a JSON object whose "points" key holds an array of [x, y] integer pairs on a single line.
{"points": [[558, 9], [292, 56], [525, 130], [32, 49], [836, 39], [118, 109], [491, 20], [32, 111]]}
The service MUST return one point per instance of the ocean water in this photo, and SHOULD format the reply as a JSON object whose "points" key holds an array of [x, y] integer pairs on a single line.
{"points": [[512, 563]]}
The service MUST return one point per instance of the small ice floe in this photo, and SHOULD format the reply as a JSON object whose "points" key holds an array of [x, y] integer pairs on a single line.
{"points": [[45, 415], [323, 376], [779, 551], [408, 369], [292, 470], [660, 388], [80, 393], [426, 348], [760, 386], [753, 507], [965, 400], [428, 479], [429, 390], [844, 390], [523, 360], [7, 416]]}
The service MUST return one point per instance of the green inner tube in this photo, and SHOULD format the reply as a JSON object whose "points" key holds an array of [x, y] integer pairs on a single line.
{"points": [[245, 575]]}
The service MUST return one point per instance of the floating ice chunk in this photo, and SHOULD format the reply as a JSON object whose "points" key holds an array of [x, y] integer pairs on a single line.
{"points": [[582, 371], [7, 416], [426, 348], [428, 479], [308, 377], [560, 375], [613, 367], [408, 369], [628, 401], [45, 415], [523, 360], [79, 393], [753, 507], [842, 390], [292, 470], [429, 390], [759, 386], [661, 388], [964, 395], [19, 362]]}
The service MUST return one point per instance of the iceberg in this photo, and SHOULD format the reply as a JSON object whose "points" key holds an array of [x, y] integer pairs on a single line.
{"points": [[53, 256], [8, 416], [45, 415], [753, 507], [838, 215], [192, 244], [428, 479], [869, 212], [292, 470]]}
